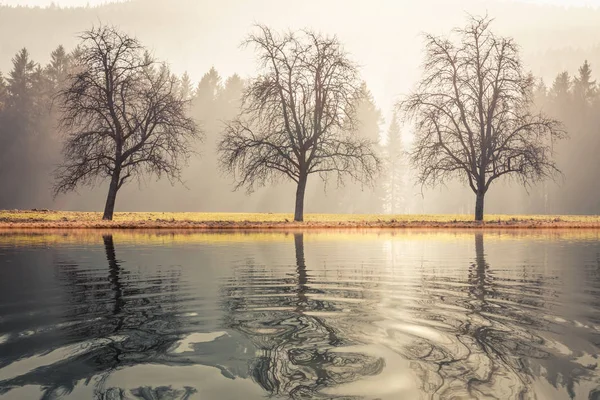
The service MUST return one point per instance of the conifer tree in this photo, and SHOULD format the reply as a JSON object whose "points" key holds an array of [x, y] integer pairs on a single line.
{"points": [[395, 169]]}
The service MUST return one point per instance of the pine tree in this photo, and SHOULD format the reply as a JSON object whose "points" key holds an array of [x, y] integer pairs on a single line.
{"points": [[540, 94], [58, 68], [75, 55], [205, 108], [208, 87], [21, 80], [186, 86], [561, 87], [230, 97], [395, 169], [354, 197], [584, 88], [3, 92], [369, 116]]}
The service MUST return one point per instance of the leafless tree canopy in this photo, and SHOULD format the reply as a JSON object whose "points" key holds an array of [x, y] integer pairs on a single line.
{"points": [[472, 114], [298, 115], [123, 116]]}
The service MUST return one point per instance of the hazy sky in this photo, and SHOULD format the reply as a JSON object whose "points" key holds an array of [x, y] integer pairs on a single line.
{"points": [[71, 3], [66, 3]]}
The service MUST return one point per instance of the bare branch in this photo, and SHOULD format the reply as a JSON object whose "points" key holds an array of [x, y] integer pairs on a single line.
{"points": [[471, 111], [122, 115], [298, 114]]}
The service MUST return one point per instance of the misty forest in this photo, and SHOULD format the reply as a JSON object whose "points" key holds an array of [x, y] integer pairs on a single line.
{"points": [[302, 132]]}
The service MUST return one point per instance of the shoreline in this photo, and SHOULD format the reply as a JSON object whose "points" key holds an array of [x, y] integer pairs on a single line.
{"points": [[45, 219]]}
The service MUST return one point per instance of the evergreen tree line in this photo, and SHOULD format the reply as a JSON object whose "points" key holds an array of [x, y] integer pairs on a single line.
{"points": [[30, 150], [29, 144], [574, 100]]}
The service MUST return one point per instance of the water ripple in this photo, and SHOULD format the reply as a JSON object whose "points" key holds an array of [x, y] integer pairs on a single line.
{"points": [[415, 316]]}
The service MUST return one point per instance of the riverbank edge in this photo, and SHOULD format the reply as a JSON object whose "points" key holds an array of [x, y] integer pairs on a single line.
{"points": [[34, 219]]}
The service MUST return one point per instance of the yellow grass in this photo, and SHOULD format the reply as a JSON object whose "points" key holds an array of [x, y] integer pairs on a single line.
{"points": [[186, 220]]}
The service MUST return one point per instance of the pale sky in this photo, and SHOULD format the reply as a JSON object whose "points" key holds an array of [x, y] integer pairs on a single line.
{"points": [[71, 3], [65, 3]]}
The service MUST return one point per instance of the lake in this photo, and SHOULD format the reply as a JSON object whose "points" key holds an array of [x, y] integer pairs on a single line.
{"points": [[407, 314]]}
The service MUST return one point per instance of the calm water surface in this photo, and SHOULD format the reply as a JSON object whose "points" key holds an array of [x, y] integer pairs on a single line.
{"points": [[381, 315]]}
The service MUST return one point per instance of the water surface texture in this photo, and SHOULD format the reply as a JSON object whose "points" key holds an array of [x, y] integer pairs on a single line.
{"points": [[365, 314]]}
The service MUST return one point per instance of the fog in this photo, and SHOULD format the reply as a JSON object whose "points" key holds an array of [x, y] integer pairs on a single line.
{"points": [[384, 38]]}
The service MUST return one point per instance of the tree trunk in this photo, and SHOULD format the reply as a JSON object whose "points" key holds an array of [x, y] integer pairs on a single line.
{"points": [[479, 205], [109, 208], [299, 212]]}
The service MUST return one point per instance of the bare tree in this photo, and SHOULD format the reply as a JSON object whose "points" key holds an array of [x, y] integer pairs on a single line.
{"points": [[298, 116], [123, 116], [472, 114]]}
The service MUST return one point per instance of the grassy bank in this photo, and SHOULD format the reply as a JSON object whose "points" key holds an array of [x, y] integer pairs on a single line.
{"points": [[192, 220]]}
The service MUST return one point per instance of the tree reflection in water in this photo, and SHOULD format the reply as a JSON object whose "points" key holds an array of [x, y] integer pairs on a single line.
{"points": [[488, 336], [348, 328], [295, 356], [101, 332], [496, 349], [114, 272]]}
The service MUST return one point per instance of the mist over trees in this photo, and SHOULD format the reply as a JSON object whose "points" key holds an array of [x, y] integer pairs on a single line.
{"points": [[31, 147], [574, 98], [28, 142], [396, 179]]}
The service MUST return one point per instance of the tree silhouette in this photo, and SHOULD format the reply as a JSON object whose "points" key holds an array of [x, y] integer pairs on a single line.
{"points": [[123, 116], [472, 114], [298, 116], [58, 69], [584, 88]]}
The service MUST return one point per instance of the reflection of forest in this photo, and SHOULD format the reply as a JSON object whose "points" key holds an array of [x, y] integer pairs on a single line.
{"points": [[300, 353]]}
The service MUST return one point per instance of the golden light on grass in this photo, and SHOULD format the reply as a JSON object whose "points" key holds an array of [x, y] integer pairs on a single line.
{"points": [[196, 220], [167, 237]]}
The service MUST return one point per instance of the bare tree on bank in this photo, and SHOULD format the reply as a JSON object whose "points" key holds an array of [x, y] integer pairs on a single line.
{"points": [[298, 116], [472, 114], [123, 116]]}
